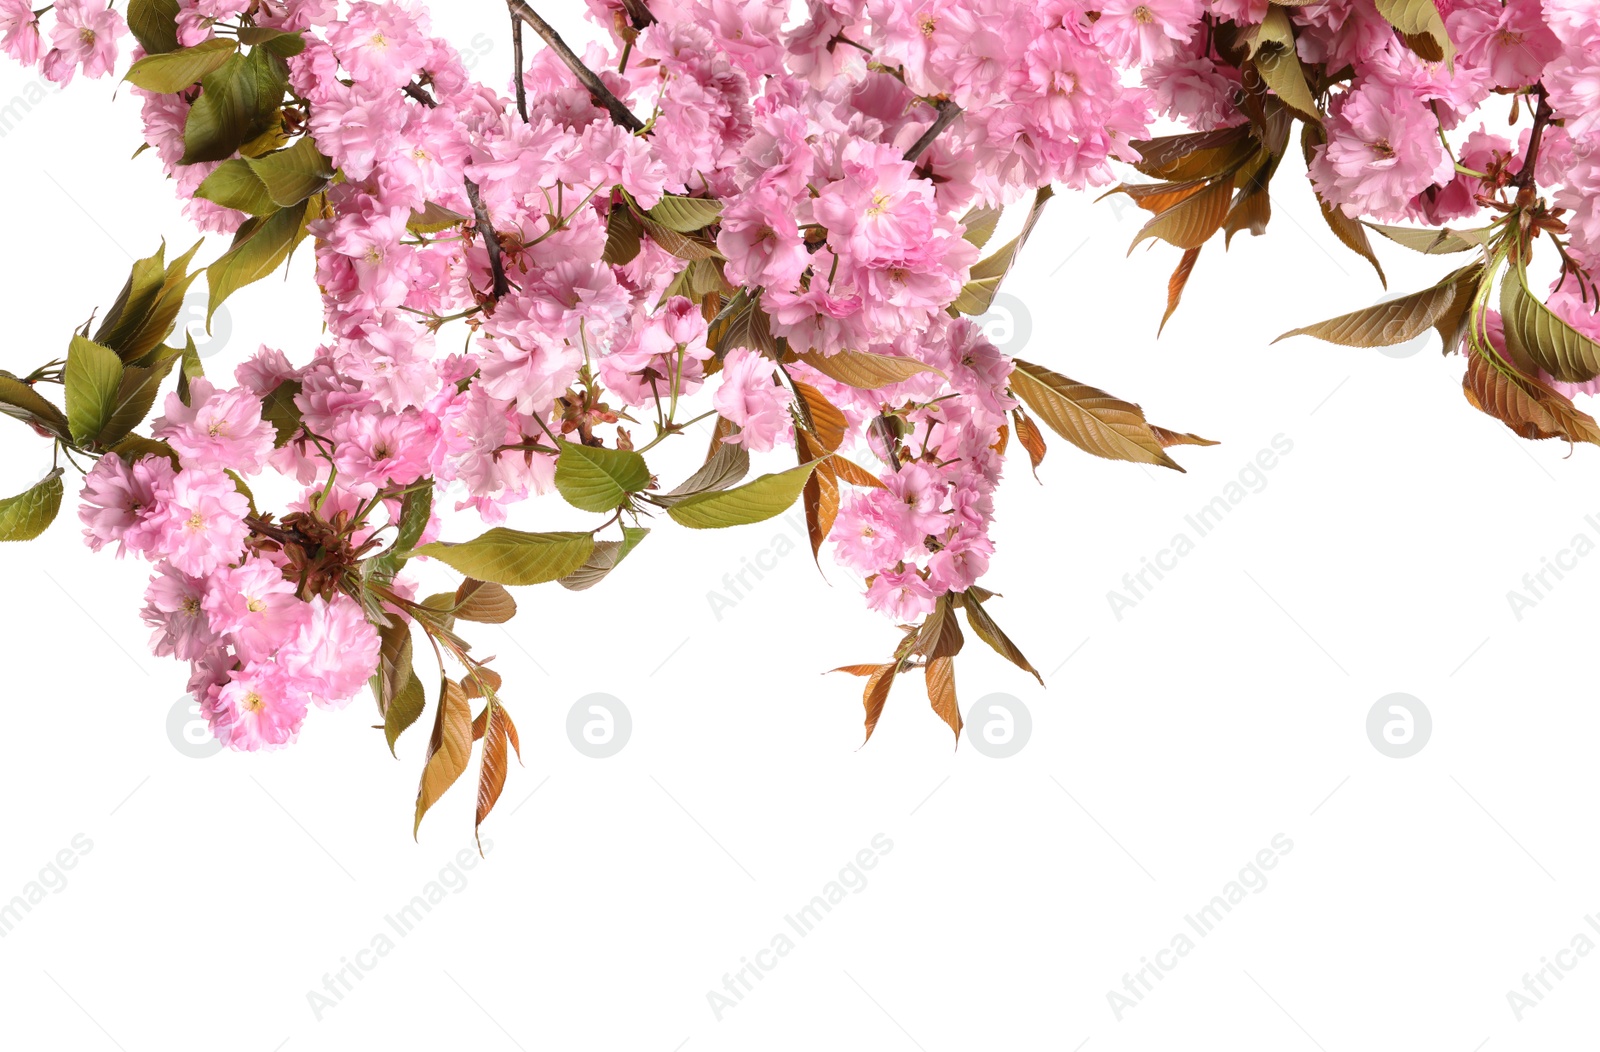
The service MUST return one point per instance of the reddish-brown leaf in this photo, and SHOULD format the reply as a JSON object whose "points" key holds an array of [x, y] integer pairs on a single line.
{"points": [[1031, 437], [448, 750], [941, 681], [984, 626], [1528, 407], [875, 696], [1176, 285], [484, 602], [481, 682], [826, 421], [853, 473], [494, 764], [1177, 438]]}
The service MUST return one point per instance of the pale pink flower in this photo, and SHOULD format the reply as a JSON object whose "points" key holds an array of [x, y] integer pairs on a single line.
{"points": [[85, 34], [261, 707], [903, 596], [123, 503], [1383, 150], [334, 652], [217, 429], [174, 609], [750, 396], [1142, 31], [202, 525], [255, 606], [21, 31]]}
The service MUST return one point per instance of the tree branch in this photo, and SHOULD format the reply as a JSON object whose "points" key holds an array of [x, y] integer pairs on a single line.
{"points": [[620, 114], [516, 52], [490, 242], [948, 111]]}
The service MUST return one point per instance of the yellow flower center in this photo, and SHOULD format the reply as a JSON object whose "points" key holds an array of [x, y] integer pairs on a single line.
{"points": [[253, 702], [1143, 15]]}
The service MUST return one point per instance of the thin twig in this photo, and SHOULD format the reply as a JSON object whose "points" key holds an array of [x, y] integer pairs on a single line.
{"points": [[948, 111], [620, 114], [490, 242], [516, 52]]}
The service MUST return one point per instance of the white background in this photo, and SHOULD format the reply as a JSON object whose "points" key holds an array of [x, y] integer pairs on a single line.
{"points": [[1227, 707]]}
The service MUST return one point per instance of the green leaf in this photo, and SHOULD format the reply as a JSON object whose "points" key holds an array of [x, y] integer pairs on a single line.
{"points": [[622, 236], [1420, 23], [685, 214], [145, 309], [22, 402], [592, 478], [986, 275], [1089, 418], [282, 42], [137, 447], [236, 185], [154, 24], [93, 376], [433, 218], [294, 174], [755, 501], [606, 557], [238, 102], [1443, 307], [684, 246], [136, 394], [980, 223], [511, 557], [279, 409], [415, 511], [1536, 334], [267, 246], [405, 706], [25, 516], [1272, 49], [173, 71]]}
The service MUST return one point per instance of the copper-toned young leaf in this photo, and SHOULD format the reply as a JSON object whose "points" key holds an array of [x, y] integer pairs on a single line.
{"points": [[1528, 407], [481, 682], [742, 322], [484, 602], [1443, 306], [1536, 334], [879, 679], [1192, 221], [826, 420], [941, 680], [1175, 287], [1088, 417], [853, 473], [940, 634], [820, 497], [1197, 155], [984, 627], [1031, 437], [1251, 210], [867, 370], [728, 465], [1157, 197], [448, 750], [1176, 438], [684, 246], [1429, 242], [498, 733]]}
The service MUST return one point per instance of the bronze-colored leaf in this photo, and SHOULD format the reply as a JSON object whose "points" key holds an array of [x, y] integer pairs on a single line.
{"points": [[481, 682], [1031, 437], [1197, 155], [1088, 417], [853, 473], [1175, 438], [941, 681], [484, 602], [1175, 286], [1429, 242], [867, 370], [820, 497], [1192, 221], [984, 627], [448, 750], [1157, 197], [1530, 408], [1443, 306], [827, 422], [875, 695], [939, 635], [498, 733]]}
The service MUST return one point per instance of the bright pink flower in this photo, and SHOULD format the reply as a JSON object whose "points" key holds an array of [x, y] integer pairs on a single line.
{"points": [[260, 708], [174, 609], [1383, 150], [1575, 22], [334, 652], [1142, 31], [255, 606], [122, 503], [750, 396], [202, 525], [217, 429], [904, 596], [1508, 37]]}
